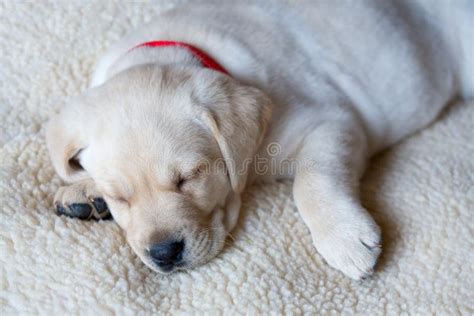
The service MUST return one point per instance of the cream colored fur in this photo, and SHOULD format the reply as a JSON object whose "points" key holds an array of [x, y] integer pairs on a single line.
{"points": [[419, 191], [341, 90]]}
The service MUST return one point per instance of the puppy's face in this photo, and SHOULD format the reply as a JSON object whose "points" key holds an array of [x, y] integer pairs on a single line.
{"points": [[169, 150]]}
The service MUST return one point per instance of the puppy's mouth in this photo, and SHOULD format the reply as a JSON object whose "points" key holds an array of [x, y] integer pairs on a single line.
{"points": [[170, 268], [178, 255], [184, 248]]}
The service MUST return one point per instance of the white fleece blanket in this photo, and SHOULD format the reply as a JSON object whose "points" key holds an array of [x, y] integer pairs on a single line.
{"points": [[421, 192]]}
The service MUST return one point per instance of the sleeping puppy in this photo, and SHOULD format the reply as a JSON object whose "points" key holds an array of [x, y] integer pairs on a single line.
{"points": [[185, 113]]}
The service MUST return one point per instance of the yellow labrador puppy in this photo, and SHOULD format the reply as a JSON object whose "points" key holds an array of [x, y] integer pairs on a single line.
{"points": [[185, 113]]}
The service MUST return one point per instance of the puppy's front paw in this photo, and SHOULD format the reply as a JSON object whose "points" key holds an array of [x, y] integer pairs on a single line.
{"points": [[81, 200], [352, 248]]}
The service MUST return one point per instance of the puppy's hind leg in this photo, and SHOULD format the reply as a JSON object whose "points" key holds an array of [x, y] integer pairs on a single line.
{"points": [[326, 187], [81, 200]]}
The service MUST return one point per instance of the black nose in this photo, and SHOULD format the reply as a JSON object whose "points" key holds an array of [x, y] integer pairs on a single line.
{"points": [[168, 253]]}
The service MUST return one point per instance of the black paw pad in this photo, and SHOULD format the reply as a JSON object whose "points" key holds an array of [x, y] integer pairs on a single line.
{"points": [[102, 209], [107, 216], [80, 210], [100, 205]]}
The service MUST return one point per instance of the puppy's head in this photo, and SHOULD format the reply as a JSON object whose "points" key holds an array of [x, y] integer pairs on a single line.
{"points": [[169, 149]]}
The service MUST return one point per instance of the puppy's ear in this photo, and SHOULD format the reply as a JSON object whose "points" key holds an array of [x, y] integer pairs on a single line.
{"points": [[237, 116], [65, 141]]}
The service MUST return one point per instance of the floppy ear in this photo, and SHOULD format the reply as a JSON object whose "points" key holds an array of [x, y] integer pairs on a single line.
{"points": [[237, 116], [65, 140]]}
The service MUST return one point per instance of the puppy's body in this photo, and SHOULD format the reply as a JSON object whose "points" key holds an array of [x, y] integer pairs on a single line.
{"points": [[395, 64], [346, 79]]}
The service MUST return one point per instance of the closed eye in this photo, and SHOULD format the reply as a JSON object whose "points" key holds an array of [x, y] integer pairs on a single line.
{"points": [[182, 180]]}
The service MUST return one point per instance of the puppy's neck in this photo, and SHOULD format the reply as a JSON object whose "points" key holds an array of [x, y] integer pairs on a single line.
{"points": [[161, 56]]}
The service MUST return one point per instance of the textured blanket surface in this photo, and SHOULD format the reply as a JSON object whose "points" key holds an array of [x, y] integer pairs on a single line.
{"points": [[421, 192]]}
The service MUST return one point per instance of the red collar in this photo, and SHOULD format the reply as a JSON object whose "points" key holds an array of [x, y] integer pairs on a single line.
{"points": [[206, 60]]}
